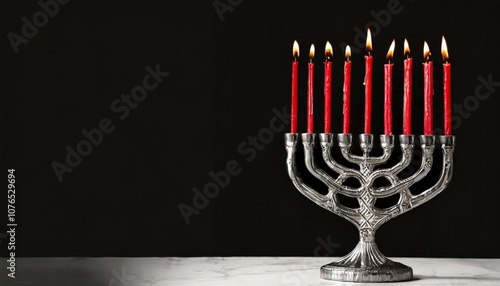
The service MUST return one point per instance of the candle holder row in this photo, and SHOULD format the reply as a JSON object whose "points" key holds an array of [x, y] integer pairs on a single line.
{"points": [[366, 263]]}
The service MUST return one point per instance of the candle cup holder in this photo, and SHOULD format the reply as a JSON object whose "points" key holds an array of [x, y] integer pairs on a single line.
{"points": [[366, 263]]}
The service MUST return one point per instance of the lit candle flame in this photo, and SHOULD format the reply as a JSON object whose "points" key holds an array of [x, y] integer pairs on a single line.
{"points": [[347, 52], [390, 53], [368, 41], [427, 52], [328, 50], [311, 52], [444, 49], [407, 49], [295, 49]]}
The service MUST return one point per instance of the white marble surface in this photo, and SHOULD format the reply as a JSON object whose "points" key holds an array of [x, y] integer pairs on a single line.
{"points": [[231, 271]]}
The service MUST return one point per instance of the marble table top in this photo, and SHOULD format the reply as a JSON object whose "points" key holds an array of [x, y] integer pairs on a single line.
{"points": [[230, 271]]}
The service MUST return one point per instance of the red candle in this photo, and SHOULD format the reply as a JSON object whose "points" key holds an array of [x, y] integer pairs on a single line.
{"points": [[388, 91], [310, 91], [428, 91], [407, 88], [295, 88], [447, 88], [368, 83], [328, 85], [347, 89]]}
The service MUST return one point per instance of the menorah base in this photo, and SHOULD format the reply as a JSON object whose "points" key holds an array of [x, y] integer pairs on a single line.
{"points": [[390, 273], [366, 264]]}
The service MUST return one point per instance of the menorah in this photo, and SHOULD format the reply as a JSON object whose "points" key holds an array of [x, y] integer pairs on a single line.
{"points": [[366, 263]]}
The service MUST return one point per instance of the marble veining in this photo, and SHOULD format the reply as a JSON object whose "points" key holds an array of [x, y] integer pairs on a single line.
{"points": [[111, 271]]}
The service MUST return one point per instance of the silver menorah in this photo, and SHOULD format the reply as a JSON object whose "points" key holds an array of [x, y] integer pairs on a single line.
{"points": [[366, 263]]}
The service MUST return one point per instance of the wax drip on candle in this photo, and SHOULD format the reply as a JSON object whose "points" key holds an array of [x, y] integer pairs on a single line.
{"points": [[388, 90], [368, 83], [328, 87], [310, 91], [446, 88], [295, 88], [407, 89], [428, 91], [346, 107]]}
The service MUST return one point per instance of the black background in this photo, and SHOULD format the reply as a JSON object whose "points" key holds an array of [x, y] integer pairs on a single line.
{"points": [[225, 79]]}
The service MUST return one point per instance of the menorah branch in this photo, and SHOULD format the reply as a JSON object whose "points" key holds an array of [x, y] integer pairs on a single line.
{"points": [[427, 146], [327, 143], [447, 147], [406, 145], [311, 194], [308, 140]]}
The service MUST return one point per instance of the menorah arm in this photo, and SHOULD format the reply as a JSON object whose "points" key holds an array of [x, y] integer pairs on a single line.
{"points": [[427, 146], [308, 139], [407, 145], [326, 141], [291, 146], [366, 143], [447, 147]]}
